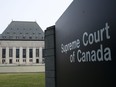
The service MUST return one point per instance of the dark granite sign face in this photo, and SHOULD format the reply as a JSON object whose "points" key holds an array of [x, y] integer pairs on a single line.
{"points": [[85, 44]]}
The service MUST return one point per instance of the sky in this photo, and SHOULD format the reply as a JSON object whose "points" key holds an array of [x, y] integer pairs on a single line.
{"points": [[44, 12]]}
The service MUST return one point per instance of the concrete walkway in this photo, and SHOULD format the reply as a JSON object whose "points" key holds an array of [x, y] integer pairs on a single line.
{"points": [[26, 68]]}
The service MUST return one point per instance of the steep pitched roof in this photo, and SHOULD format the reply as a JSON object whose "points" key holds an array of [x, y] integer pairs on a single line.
{"points": [[23, 30]]}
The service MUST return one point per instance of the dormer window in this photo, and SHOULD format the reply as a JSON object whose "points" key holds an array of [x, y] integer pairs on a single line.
{"points": [[33, 33], [10, 37], [17, 37], [4, 37], [23, 37], [7, 33], [36, 37], [30, 37]]}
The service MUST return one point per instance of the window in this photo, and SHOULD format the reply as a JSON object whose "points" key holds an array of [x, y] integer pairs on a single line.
{"points": [[30, 53], [3, 53], [36, 37], [10, 61], [37, 52], [17, 37], [10, 53], [17, 60], [24, 53], [4, 37], [10, 37], [7, 33], [17, 53], [3, 61], [42, 37], [24, 60], [30, 37], [23, 37], [37, 60]]}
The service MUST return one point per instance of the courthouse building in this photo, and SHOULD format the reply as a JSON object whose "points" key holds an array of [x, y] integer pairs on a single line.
{"points": [[22, 43]]}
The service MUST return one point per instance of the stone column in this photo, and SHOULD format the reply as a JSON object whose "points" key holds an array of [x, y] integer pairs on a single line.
{"points": [[20, 55], [40, 55], [14, 55], [34, 55], [7, 55], [0, 55], [27, 55]]}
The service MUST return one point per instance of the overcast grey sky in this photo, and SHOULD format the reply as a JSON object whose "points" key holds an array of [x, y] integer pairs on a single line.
{"points": [[44, 12]]}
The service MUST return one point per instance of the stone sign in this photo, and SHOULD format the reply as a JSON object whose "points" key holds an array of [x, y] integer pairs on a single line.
{"points": [[85, 44]]}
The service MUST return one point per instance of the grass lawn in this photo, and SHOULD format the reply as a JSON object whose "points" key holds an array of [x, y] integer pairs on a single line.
{"points": [[22, 80]]}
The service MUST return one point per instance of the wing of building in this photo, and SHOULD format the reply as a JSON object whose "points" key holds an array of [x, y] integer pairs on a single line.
{"points": [[22, 43]]}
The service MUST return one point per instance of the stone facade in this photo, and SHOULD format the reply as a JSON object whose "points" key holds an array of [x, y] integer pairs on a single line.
{"points": [[7, 57]]}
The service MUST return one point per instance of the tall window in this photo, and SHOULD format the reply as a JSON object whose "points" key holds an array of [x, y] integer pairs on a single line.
{"points": [[3, 53], [30, 53], [10, 53], [17, 53], [37, 52], [24, 53]]}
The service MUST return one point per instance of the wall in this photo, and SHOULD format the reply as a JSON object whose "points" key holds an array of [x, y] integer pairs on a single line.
{"points": [[49, 54]]}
